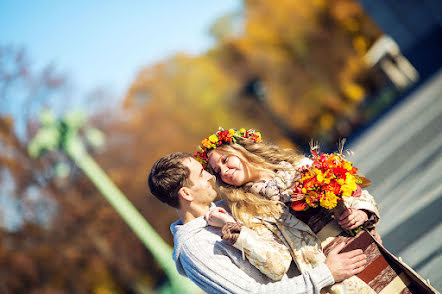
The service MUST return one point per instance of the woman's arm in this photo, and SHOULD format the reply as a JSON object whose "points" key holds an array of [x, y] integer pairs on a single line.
{"points": [[366, 202], [363, 210], [266, 252]]}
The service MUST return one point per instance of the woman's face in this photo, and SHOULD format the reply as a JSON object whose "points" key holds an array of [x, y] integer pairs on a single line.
{"points": [[229, 168]]}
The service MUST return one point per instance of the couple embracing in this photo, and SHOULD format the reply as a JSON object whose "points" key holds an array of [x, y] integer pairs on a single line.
{"points": [[252, 241]]}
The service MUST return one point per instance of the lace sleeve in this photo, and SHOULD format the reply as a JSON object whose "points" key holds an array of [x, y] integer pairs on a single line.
{"points": [[264, 251]]}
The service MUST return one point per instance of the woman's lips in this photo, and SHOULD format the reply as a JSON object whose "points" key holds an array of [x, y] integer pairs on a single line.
{"points": [[231, 175]]}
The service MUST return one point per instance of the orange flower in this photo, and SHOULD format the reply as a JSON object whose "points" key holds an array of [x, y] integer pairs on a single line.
{"points": [[299, 205]]}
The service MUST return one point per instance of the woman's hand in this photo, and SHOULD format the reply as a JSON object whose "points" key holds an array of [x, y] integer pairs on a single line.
{"points": [[352, 218], [218, 217]]}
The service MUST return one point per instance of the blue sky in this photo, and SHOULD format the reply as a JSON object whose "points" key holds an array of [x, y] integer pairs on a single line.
{"points": [[102, 43], [105, 43]]}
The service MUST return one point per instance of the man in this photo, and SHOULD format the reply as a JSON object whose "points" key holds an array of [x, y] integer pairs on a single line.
{"points": [[215, 265]]}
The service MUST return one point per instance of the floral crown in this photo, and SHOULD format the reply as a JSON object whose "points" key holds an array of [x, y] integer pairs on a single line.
{"points": [[224, 137]]}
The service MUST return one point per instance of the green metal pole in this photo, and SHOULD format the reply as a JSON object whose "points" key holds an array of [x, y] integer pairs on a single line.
{"points": [[159, 249], [63, 134]]}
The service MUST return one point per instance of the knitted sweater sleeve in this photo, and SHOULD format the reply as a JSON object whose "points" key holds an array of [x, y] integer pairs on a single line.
{"points": [[215, 272]]}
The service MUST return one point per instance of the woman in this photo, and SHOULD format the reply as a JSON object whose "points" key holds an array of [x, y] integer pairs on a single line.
{"points": [[257, 179]]}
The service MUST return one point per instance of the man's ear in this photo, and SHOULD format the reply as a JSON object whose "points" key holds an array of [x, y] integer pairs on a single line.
{"points": [[185, 194]]}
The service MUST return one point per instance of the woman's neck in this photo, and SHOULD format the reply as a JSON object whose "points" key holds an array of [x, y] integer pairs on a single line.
{"points": [[262, 175]]}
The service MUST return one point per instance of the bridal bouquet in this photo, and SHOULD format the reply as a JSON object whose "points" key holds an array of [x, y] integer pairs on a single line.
{"points": [[326, 182]]}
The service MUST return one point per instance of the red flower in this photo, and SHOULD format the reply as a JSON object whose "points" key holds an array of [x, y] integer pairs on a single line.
{"points": [[340, 172], [333, 186], [310, 183], [299, 205]]}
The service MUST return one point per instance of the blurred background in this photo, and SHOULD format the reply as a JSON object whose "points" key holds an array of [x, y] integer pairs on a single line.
{"points": [[156, 78]]}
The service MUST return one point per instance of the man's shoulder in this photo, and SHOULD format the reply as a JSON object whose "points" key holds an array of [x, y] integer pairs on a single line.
{"points": [[174, 227], [203, 242], [190, 230]]}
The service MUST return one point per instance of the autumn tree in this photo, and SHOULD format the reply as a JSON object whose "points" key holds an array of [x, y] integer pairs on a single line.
{"points": [[289, 68], [58, 234], [307, 57]]}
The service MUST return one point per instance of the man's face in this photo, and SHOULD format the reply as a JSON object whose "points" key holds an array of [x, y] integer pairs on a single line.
{"points": [[202, 189]]}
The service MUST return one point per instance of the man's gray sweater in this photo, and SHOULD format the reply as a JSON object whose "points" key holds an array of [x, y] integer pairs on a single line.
{"points": [[217, 267]]}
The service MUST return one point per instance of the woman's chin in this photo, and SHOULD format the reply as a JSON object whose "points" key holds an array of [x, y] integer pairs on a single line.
{"points": [[237, 182], [231, 182]]}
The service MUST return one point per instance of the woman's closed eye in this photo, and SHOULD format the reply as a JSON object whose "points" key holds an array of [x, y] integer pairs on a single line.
{"points": [[224, 160]]}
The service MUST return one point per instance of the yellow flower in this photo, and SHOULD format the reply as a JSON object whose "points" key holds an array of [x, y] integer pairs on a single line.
{"points": [[309, 200], [242, 130], [350, 180], [231, 131], [347, 165], [206, 143], [213, 138], [327, 178], [329, 201], [319, 176], [349, 186], [308, 175], [346, 191], [259, 137], [340, 181]]}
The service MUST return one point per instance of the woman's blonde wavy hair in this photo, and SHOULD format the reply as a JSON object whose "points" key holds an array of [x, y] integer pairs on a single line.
{"points": [[256, 156]]}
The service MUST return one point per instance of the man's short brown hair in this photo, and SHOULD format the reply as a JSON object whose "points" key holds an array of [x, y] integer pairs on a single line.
{"points": [[167, 176]]}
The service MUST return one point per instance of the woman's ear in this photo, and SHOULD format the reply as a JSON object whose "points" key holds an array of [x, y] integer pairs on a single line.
{"points": [[185, 194]]}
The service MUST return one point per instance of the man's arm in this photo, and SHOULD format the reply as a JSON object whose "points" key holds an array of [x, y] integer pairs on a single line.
{"points": [[216, 273]]}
